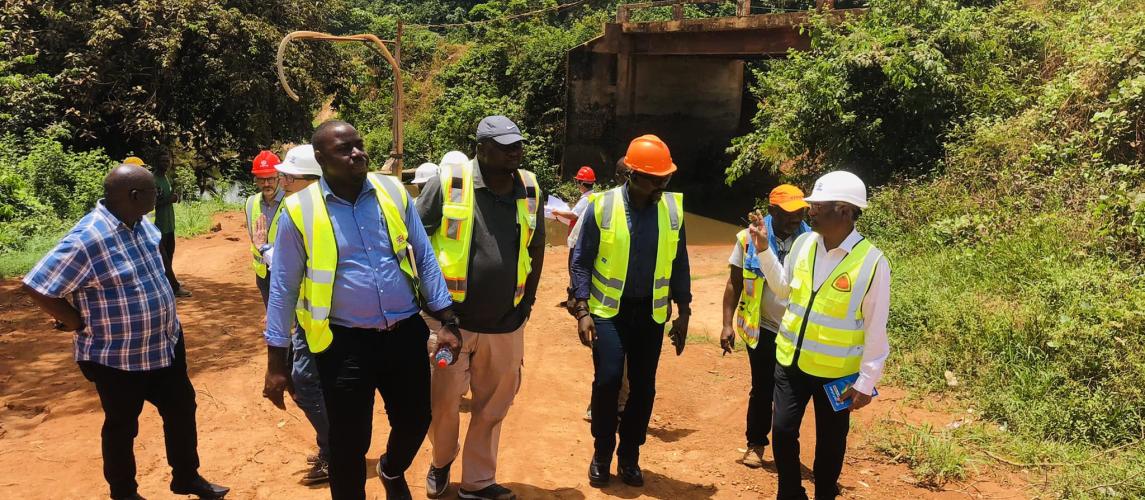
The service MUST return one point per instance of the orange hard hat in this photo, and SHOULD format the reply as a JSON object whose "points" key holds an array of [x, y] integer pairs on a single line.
{"points": [[585, 174], [648, 154], [263, 165]]}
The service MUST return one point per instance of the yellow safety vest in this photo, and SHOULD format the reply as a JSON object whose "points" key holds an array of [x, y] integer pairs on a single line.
{"points": [[253, 212], [610, 269], [824, 328], [307, 209], [454, 235], [750, 298]]}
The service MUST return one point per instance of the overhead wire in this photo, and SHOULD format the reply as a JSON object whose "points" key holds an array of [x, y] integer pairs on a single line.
{"points": [[503, 18]]}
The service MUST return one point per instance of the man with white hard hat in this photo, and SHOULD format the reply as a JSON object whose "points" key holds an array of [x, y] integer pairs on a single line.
{"points": [[298, 171], [838, 289], [453, 158], [423, 173]]}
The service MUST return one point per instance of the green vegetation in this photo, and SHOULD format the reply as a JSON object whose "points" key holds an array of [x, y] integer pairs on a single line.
{"points": [[1004, 139], [1009, 137], [935, 459]]}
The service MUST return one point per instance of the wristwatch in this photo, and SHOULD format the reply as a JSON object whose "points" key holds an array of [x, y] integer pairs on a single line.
{"points": [[452, 323]]}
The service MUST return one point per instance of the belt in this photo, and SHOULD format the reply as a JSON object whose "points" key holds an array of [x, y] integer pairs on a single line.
{"points": [[350, 329]]}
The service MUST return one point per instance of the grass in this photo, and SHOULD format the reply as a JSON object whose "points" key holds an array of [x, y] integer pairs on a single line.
{"points": [[194, 218], [191, 219], [1077, 470], [934, 458]]}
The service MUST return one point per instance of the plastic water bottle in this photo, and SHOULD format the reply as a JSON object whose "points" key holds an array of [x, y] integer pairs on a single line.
{"points": [[444, 357]]}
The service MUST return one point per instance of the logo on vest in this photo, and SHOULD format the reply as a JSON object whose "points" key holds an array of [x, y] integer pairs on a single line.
{"points": [[401, 239], [842, 283]]}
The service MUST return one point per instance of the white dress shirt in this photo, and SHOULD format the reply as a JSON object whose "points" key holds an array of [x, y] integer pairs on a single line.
{"points": [[876, 304]]}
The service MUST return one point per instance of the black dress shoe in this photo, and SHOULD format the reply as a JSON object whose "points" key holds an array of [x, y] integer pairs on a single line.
{"points": [[630, 474], [199, 487], [396, 488], [598, 473]]}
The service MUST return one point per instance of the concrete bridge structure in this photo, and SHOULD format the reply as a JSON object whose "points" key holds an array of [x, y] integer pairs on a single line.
{"points": [[681, 79]]}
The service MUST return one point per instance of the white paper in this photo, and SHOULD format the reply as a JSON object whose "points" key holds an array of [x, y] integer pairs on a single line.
{"points": [[554, 203]]}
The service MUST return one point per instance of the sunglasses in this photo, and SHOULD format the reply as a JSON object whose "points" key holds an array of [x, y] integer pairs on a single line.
{"points": [[654, 180]]}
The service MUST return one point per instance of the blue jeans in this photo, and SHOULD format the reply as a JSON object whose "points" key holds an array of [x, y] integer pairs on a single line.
{"points": [[308, 391]]}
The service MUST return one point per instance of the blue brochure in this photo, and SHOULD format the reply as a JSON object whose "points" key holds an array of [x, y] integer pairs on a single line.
{"points": [[837, 387]]}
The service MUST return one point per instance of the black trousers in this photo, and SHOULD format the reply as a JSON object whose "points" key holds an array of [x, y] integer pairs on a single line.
{"points": [[633, 337], [122, 393], [394, 363], [167, 251], [793, 389], [762, 360]]}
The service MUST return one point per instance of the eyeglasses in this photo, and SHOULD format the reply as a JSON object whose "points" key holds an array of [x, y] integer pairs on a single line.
{"points": [[267, 180], [508, 148], [287, 178], [819, 206]]}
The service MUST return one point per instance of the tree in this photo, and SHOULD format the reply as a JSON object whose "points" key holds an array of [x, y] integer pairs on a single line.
{"points": [[135, 75]]}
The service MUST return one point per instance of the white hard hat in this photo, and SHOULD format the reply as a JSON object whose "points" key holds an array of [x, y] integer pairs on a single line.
{"points": [[839, 186], [424, 172], [300, 161], [453, 158]]}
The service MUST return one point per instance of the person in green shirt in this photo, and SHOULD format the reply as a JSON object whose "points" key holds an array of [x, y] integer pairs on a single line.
{"points": [[165, 217]]}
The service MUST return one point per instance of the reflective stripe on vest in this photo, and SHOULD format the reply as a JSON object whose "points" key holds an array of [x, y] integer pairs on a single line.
{"points": [[307, 209], [822, 330], [610, 268], [253, 212], [454, 236], [750, 298]]}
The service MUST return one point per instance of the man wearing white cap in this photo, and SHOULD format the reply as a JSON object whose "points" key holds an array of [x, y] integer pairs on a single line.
{"points": [[299, 170], [835, 327], [423, 173]]}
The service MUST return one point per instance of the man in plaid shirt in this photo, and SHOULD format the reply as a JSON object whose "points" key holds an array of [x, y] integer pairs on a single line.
{"points": [[105, 282]]}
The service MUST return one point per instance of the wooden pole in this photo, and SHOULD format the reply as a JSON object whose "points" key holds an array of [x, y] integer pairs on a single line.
{"points": [[379, 46], [397, 152]]}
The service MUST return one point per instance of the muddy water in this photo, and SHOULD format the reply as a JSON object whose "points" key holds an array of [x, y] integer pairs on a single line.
{"points": [[701, 231]]}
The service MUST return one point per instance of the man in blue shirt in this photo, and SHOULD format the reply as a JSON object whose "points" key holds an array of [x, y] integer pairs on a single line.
{"points": [[109, 265], [379, 339]]}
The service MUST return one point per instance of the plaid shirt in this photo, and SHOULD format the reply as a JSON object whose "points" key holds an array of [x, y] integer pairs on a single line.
{"points": [[115, 278]]}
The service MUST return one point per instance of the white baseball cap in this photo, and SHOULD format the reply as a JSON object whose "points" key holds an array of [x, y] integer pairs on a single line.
{"points": [[300, 161], [424, 173]]}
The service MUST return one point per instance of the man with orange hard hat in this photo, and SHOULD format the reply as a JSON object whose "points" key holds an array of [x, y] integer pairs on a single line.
{"points": [[630, 263], [753, 312], [261, 207]]}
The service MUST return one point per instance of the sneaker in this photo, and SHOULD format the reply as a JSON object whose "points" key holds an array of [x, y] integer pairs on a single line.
{"points": [[588, 414], [752, 456], [396, 488], [492, 492], [437, 480], [318, 473], [182, 292]]}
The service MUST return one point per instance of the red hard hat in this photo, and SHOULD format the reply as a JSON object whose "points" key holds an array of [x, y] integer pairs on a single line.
{"points": [[585, 174], [264, 164]]}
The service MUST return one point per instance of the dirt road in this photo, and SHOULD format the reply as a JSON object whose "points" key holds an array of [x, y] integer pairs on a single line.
{"points": [[50, 418]]}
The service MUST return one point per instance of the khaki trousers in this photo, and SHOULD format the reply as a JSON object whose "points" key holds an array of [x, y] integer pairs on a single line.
{"points": [[490, 367]]}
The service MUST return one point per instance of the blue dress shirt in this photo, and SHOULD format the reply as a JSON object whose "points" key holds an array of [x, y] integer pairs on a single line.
{"points": [[370, 290]]}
